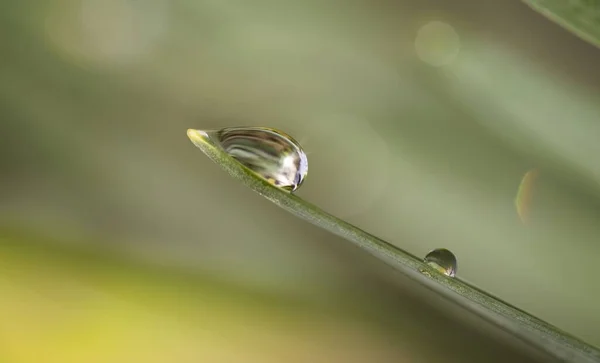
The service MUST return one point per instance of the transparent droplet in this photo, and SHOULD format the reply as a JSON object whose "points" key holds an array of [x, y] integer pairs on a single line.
{"points": [[442, 260], [272, 154]]}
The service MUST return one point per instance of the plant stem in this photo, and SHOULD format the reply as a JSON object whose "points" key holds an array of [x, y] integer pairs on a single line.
{"points": [[533, 332]]}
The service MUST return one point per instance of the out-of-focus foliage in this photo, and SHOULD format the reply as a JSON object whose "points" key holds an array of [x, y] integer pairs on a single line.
{"points": [[582, 17], [72, 305]]}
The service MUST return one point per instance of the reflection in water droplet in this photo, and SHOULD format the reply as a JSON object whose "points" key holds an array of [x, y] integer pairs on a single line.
{"points": [[272, 154], [442, 260]]}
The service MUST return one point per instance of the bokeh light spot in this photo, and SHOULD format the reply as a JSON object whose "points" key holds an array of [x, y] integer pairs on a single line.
{"points": [[437, 43]]}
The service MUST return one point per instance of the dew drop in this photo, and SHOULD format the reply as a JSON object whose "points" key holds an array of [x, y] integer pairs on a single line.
{"points": [[442, 260], [272, 154]]}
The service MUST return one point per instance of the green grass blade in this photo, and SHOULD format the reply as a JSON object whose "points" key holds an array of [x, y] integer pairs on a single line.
{"points": [[523, 327], [581, 17]]}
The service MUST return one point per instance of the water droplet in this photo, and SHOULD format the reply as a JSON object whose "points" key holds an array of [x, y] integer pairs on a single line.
{"points": [[442, 260], [271, 154]]}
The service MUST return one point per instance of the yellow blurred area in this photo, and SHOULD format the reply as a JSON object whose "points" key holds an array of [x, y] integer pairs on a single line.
{"points": [[50, 312]]}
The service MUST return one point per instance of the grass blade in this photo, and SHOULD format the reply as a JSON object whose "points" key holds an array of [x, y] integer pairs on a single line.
{"points": [[581, 17], [525, 328]]}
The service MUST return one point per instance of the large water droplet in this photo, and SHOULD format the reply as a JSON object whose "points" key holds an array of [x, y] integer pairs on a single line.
{"points": [[442, 260], [272, 154]]}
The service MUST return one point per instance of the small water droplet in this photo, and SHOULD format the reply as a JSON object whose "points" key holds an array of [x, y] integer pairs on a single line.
{"points": [[442, 260], [270, 153]]}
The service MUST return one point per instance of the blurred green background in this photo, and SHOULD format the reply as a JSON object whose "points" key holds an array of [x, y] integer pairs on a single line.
{"points": [[120, 241]]}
